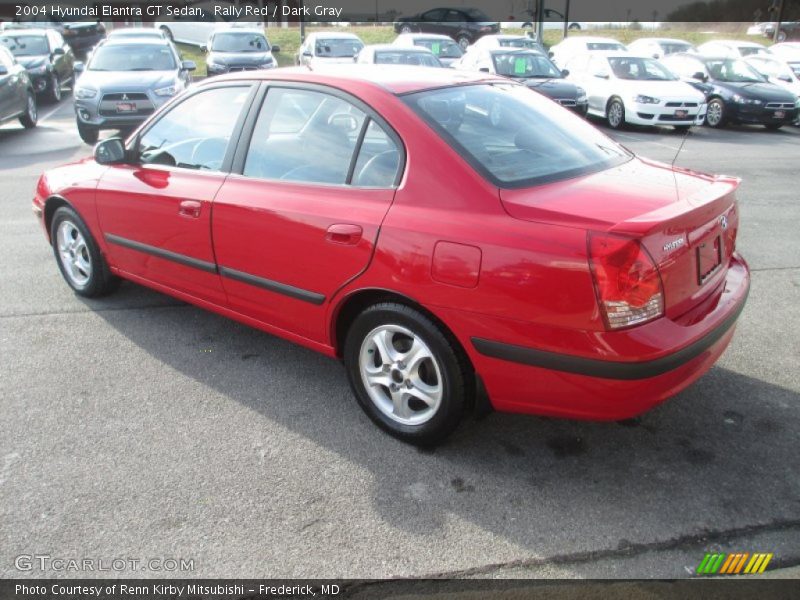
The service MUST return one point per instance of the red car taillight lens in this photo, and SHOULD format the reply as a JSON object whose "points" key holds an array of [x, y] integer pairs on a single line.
{"points": [[627, 281]]}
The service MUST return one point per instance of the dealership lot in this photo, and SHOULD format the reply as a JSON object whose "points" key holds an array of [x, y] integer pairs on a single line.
{"points": [[138, 426]]}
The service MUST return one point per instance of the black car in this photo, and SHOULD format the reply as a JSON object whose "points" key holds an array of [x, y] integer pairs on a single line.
{"points": [[239, 50], [17, 98], [532, 68], [736, 93], [80, 35], [44, 54], [788, 31], [464, 25]]}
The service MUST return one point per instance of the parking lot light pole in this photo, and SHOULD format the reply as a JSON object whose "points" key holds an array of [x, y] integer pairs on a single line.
{"points": [[566, 19]]}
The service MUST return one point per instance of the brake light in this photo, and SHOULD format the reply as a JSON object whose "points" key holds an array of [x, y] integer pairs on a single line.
{"points": [[628, 285]]}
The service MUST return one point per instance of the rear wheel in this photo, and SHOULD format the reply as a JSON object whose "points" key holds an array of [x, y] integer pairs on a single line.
{"points": [[575, 27], [408, 377], [715, 114], [79, 258], [88, 134], [54, 88], [463, 42], [31, 115], [406, 29], [616, 114]]}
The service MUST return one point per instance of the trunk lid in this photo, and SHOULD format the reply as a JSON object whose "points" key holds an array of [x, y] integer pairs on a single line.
{"points": [[686, 221]]}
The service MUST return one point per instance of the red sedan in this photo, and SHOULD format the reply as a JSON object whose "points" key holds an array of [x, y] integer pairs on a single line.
{"points": [[449, 236]]}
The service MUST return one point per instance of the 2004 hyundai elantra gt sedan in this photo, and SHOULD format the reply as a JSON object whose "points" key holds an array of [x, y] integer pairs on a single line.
{"points": [[442, 233]]}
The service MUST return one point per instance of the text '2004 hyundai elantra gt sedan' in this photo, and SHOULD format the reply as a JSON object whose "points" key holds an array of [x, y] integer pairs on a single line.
{"points": [[441, 232]]}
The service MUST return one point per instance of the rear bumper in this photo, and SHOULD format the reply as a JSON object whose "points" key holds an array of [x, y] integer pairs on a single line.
{"points": [[520, 378]]}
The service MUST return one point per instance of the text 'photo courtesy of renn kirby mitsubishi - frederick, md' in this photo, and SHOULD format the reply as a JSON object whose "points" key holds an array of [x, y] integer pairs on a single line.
{"points": [[381, 299]]}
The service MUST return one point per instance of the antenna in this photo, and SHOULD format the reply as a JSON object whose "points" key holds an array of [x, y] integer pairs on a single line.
{"points": [[683, 141]]}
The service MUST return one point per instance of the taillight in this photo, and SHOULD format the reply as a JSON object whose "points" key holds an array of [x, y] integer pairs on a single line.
{"points": [[627, 281]]}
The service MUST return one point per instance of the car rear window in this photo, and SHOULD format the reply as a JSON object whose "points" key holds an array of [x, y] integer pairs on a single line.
{"points": [[513, 136], [609, 46]]}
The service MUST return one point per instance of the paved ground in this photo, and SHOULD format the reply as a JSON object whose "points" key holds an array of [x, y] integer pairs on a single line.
{"points": [[140, 427]]}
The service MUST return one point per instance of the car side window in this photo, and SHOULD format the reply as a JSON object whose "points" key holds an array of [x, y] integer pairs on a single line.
{"points": [[435, 15], [304, 136], [195, 133], [378, 159]]}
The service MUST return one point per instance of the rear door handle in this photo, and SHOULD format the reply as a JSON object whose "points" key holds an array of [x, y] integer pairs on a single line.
{"points": [[344, 233], [190, 208]]}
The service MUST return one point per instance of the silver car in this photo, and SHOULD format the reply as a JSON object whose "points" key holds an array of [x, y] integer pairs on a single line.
{"points": [[124, 82]]}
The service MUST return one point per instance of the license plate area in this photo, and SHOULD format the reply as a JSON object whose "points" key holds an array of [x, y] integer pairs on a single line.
{"points": [[682, 113], [709, 258], [779, 114], [126, 107]]}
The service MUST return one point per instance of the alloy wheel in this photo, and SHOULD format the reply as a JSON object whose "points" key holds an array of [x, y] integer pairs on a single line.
{"points": [[714, 113], [615, 115], [56, 87], [74, 253], [32, 111], [401, 375]]}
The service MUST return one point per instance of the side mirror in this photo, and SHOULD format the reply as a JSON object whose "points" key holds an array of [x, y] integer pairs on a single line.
{"points": [[3, 70], [78, 67], [203, 48], [700, 76], [109, 152], [565, 72], [58, 52], [276, 48], [484, 70], [601, 75], [307, 54], [188, 65], [550, 55]]}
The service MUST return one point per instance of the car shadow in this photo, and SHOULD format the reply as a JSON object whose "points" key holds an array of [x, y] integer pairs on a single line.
{"points": [[715, 457]]}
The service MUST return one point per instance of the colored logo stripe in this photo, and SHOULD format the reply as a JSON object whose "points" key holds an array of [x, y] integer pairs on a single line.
{"points": [[732, 564]]}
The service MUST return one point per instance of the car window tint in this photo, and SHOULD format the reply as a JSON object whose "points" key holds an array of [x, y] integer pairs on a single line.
{"points": [[378, 159], [510, 135], [302, 135], [195, 134]]}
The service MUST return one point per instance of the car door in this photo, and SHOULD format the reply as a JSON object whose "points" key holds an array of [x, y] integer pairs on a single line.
{"points": [[433, 21], [299, 217], [600, 89], [13, 89], [155, 213], [63, 59]]}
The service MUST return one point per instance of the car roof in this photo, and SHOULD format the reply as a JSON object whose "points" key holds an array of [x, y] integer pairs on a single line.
{"points": [[244, 30], [589, 38], [428, 36], [508, 50], [399, 79], [736, 43], [659, 40], [335, 35], [136, 31], [394, 48], [23, 32]]}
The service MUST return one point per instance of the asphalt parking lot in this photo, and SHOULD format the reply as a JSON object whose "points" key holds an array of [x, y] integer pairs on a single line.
{"points": [[140, 427]]}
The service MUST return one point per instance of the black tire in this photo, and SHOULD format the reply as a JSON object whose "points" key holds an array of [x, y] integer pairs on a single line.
{"points": [[457, 388], [31, 115], [773, 126], [574, 27], [782, 35], [54, 88], [406, 29], [712, 119], [99, 280], [615, 114], [463, 41], [88, 134], [167, 33]]}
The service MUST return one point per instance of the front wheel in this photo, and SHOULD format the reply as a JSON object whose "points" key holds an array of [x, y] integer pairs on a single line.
{"points": [[715, 114], [54, 88], [31, 114], [616, 114], [408, 377], [79, 258], [88, 134], [406, 29]]}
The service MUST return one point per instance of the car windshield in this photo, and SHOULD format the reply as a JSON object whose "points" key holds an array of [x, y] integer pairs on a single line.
{"points": [[138, 57], [751, 50], [675, 47], [25, 45], [795, 67], [605, 46], [733, 71], [337, 47], [513, 136], [441, 48], [402, 57], [137, 33], [239, 42], [518, 64], [520, 42], [642, 69]]}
